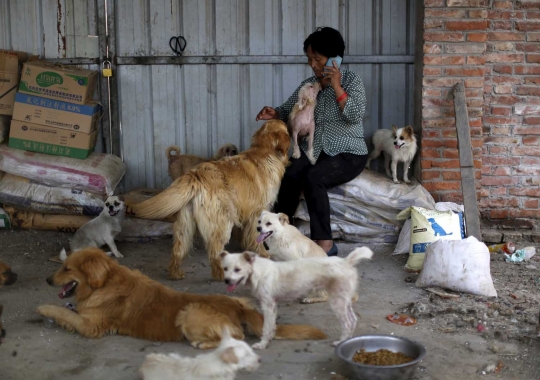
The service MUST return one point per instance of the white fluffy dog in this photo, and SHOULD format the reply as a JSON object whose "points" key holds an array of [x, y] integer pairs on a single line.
{"points": [[398, 145], [272, 281], [222, 364]]}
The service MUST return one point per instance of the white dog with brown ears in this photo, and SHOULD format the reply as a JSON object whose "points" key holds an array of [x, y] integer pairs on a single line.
{"points": [[398, 145], [274, 281], [302, 118], [231, 356]]}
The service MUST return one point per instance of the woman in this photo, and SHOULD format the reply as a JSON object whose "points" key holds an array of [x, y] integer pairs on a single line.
{"points": [[339, 146]]}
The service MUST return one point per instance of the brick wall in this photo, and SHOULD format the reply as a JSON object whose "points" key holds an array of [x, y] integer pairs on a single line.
{"points": [[494, 47]]}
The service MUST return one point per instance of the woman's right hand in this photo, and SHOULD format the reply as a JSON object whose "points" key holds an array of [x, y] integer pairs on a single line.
{"points": [[267, 113]]}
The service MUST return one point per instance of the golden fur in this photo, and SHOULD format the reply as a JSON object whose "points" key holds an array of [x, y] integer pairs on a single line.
{"points": [[216, 196], [113, 299], [180, 164]]}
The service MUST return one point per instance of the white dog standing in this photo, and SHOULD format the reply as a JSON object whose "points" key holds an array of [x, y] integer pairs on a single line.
{"points": [[398, 145], [302, 118], [272, 281], [222, 364], [100, 230]]}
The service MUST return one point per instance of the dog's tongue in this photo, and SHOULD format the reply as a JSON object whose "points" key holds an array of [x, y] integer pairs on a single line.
{"points": [[397, 146], [65, 289], [231, 287], [262, 237]]}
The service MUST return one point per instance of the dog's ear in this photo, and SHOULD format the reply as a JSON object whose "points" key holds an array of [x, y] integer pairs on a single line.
{"points": [[409, 130], [283, 218], [229, 356], [121, 198], [249, 256], [96, 270], [394, 128], [302, 100], [223, 254]]}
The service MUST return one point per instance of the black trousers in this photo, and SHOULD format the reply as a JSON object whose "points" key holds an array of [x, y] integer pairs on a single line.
{"points": [[314, 181]]}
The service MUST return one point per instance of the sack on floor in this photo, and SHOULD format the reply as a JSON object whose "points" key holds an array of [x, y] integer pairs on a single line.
{"points": [[460, 265], [428, 226], [364, 210], [23, 194], [404, 241], [100, 173]]}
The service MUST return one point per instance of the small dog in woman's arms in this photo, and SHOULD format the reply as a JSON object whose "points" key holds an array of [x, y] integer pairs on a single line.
{"points": [[231, 356], [302, 118], [180, 164], [398, 145]]}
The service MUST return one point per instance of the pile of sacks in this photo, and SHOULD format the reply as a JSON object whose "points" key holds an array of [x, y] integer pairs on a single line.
{"points": [[45, 192]]}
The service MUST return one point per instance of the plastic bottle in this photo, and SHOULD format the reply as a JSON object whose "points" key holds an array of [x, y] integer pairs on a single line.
{"points": [[508, 247]]}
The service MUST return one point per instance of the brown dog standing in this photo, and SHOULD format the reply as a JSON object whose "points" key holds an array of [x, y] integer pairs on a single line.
{"points": [[180, 164]]}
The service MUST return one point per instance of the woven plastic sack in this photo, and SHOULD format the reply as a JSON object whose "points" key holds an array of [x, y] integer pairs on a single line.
{"points": [[100, 173], [460, 265], [24, 194]]}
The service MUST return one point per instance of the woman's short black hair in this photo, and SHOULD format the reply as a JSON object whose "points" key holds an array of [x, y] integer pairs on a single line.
{"points": [[326, 41]]}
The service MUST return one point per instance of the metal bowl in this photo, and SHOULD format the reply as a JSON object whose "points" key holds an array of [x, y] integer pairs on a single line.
{"points": [[346, 350]]}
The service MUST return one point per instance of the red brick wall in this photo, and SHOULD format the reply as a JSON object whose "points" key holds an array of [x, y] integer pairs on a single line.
{"points": [[494, 47]]}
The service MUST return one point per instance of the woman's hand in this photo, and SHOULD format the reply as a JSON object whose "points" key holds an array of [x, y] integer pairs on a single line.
{"points": [[333, 76], [267, 113]]}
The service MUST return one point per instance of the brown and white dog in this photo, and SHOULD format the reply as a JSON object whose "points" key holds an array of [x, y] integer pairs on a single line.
{"points": [[180, 164]]}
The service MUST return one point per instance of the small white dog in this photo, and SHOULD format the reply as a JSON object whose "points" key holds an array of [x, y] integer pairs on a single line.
{"points": [[100, 230], [398, 145], [272, 281], [222, 364], [302, 118]]}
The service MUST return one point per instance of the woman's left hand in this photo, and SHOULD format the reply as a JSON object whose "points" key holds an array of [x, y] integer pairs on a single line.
{"points": [[332, 75]]}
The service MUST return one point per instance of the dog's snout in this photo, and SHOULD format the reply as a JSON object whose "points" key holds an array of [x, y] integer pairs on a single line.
{"points": [[227, 281], [259, 229], [49, 281], [395, 142]]}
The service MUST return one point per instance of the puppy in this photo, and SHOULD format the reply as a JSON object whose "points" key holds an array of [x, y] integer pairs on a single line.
{"points": [[302, 118], [101, 230], [7, 277], [398, 145], [113, 299], [180, 164], [272, 281], [222, 364]]}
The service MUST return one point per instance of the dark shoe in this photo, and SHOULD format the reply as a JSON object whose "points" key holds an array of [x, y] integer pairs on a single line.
{"points": [[333, 251]]}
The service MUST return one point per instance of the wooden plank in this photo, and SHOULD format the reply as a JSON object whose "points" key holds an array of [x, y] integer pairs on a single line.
{"points": [[468, 188]]}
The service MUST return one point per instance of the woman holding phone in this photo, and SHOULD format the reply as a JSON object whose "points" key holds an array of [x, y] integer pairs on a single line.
{"points": [[339, 146]]}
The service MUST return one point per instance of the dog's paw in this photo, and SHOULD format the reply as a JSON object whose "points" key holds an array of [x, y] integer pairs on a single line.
{"points": [[46, 310], [407, 181], [396, 181], [296, 155], [259, 346], [336, 343], [118, 255], [311, 300]]}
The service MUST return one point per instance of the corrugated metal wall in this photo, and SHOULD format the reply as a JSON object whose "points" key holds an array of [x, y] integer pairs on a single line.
{"points": [[202, 106]]}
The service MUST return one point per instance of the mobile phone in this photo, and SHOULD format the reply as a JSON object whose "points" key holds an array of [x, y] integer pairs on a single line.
{"points": [[332, 59]]}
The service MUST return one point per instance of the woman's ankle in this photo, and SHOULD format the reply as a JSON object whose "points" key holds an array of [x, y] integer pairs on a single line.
{"points": [[326, 245]]}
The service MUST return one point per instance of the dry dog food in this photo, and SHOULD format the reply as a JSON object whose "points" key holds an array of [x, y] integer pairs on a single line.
{"points": [[381, 357]]}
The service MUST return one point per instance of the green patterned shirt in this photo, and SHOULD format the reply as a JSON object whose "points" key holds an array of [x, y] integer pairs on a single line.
{"points": [[336, 131]]}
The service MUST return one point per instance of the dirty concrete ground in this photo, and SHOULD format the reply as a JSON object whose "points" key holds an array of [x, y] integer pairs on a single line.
{"points": [[455, 348]]}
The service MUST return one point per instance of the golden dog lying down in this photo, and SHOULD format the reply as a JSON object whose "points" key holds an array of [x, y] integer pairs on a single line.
{"points": [[113, 299]]}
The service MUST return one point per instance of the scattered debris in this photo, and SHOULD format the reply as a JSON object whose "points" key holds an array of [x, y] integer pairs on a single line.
{"points": [[401, 319], [375, 326], [442, 293], [520, 255], [507, 247]]}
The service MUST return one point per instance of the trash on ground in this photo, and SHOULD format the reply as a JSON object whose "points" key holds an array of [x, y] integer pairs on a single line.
{"points": [[442, 293], [524, 254], [401, 319], [508, 247]]}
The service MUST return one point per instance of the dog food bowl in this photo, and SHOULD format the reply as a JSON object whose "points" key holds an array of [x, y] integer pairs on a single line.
{"points": [[346, 350]]}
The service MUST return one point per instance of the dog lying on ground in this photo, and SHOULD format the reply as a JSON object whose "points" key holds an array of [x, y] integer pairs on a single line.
{"points": [[272, 281], [7, 277], [302, 118], [231, 356], [113, 299], [180, 164], [100, 230], [398, 145], [215, 196]]}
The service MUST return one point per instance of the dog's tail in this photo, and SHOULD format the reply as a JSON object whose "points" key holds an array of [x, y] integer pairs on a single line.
{"points": [[172, 148], [359, 254], [169, 201], [255, 321], [63, 254]]}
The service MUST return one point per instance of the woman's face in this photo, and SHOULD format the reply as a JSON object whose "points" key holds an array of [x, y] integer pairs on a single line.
{"points": [[316, 61]]}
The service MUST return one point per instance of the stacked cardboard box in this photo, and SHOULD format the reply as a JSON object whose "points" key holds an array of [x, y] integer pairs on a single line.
{"points": [[54, 112]]}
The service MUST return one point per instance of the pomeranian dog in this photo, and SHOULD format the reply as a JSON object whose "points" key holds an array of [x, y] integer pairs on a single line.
{"points": [[180, 164], [302, 118], [398, 145]]}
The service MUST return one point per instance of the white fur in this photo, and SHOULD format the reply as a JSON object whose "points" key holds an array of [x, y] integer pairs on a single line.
{"points": [[100, 230], [384, 141], [302, 118], [273, 281], [222, 364]]}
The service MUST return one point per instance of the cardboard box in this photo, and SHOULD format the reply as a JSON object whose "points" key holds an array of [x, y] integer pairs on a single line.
{"points": [[55, 113], [9, 78], [50, 140], [54, 81]]}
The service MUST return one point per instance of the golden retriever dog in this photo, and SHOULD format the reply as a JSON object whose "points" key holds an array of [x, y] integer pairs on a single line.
{"points": [[113, 299], [215, 196], [180, 164]]}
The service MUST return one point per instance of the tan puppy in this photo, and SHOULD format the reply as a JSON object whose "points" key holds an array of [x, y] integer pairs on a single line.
{"points": [[180, 164], [113, 299], [217, 195]]}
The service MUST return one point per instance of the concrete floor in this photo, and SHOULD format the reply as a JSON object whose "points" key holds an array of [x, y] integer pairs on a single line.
{"points": [[34, 352]]}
